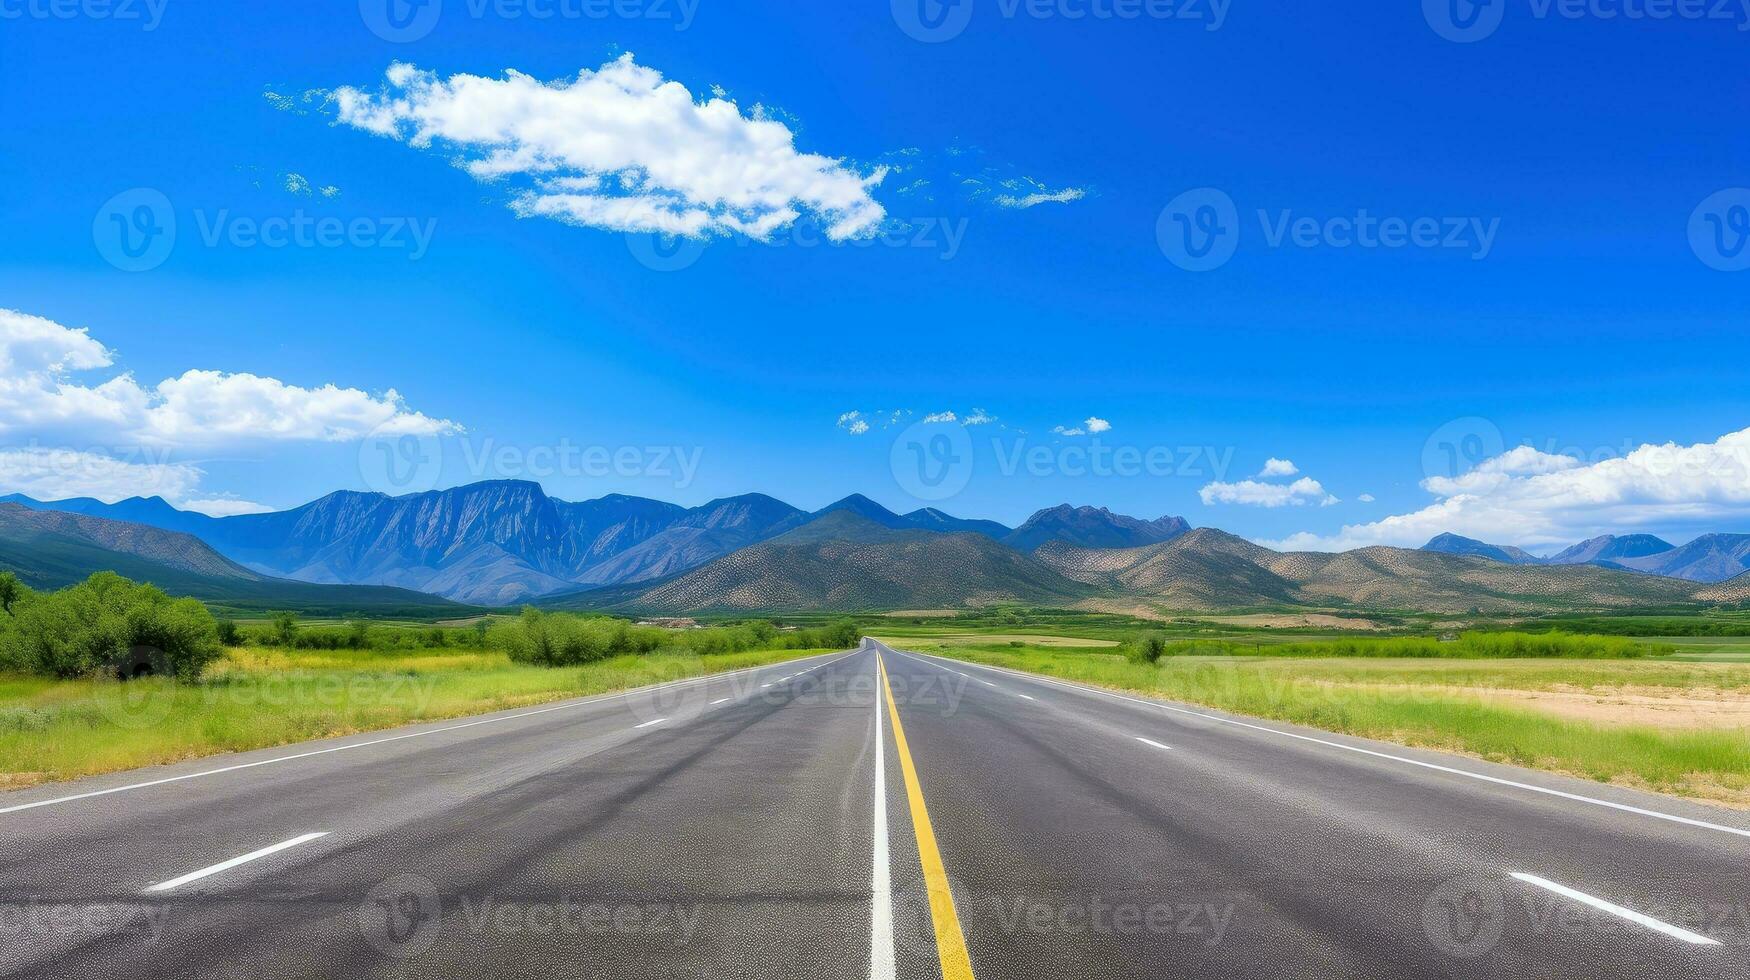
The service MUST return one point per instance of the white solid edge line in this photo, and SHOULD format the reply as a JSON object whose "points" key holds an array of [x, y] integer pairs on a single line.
{"points": [[718, 702], [599, 699], [1027, 696], [1497, 780], [881, 878], [228, 865], [1617, 910], [647, 724], [1150, 741]]}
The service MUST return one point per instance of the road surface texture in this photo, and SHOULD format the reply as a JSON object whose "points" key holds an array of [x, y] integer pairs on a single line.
{"points": [[877, 814]]}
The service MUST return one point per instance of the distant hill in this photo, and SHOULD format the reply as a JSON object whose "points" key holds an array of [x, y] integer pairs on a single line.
{"points": [[1453, 544], [150, 511], [56, 532], [51, 550], [1201, 569], [1709, 558], [1732, 591], [1611, 548], [931, 519], [1207, 569], [865, 508], [696, 537], [845, 561], [1092, 527]]}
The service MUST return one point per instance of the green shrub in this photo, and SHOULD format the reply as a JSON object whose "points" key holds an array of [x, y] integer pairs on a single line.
{"points": [[1146, 648], [109, 624], [564, 639]]}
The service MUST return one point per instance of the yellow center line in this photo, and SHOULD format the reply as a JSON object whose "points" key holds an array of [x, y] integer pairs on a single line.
{"points": [[950, 941]]}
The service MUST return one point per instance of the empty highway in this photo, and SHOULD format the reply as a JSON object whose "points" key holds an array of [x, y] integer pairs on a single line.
{"points": [[874, 813]]}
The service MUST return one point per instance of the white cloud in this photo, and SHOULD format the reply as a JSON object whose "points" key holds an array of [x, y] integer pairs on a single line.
{"points": [[859, 427], [941, 417], [978, 417], [297, 184], [622, 149], [1533, 499], [1092, 425], [38, 393], [1278, 467], [1366, 498], [224, 507], [1252, 493], [55, 474], [1037, 198], [854, 423], [31, 345]]}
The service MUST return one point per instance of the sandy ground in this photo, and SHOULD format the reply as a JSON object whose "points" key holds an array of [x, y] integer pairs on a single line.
{"points": [[1030, 640], [1628, 706], [1653, 707]]}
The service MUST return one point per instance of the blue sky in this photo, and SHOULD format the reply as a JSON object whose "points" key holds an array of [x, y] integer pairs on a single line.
{"points": [[1560, 303]]}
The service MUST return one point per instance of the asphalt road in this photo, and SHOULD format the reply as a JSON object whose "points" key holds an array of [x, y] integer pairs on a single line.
{"points": [[870, 814]]}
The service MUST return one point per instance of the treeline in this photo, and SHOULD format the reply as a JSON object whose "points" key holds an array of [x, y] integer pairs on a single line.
{"points": [[110, 625], [564, 639], [286, 632], [105, 624], [1687, 626], [1152, 646]]}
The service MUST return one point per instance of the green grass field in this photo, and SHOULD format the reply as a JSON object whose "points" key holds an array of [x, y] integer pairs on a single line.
{"points": [[1675, 724], [62, 729]]}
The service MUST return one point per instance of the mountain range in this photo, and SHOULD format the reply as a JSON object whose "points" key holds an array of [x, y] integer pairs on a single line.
{"points": [[503, 543], [53, 549], [1709, 558]]}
